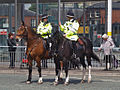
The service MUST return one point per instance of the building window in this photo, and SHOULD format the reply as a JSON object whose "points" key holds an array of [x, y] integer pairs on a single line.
{"points": [[90, 15], [4, 23], [97, 13], [33, 22]]}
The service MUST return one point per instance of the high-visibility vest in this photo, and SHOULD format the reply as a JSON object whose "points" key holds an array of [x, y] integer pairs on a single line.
{"points": [[44, 30], [70, 28]]}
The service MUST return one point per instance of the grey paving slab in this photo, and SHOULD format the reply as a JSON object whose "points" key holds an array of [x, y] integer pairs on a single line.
{"points": [[16, 81]]}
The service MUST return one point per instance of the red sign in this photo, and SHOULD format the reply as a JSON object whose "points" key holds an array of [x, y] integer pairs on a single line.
{"points": [[99, 36], [3, 32]]}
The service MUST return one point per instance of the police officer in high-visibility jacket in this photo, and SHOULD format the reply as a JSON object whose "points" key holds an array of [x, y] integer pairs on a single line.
{"points": [[70, 29], [45, 30]]}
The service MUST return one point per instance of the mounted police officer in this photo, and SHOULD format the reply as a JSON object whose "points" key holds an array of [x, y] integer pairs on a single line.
{"points": [[45, 30], [70, 29]]}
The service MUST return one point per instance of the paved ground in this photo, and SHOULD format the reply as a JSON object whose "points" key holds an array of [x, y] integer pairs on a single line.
{"points": [[14, 79]]}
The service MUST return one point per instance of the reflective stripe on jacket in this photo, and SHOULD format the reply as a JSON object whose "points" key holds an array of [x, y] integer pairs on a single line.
{"points": [[44, 30], [70, 28]]}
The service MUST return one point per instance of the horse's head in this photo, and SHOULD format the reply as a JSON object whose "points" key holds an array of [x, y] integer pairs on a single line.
{"points": [[57, 39], [21, 32]]}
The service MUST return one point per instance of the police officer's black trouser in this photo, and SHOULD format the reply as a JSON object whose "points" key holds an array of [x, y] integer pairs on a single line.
{"points": [[107, 59], [47, 44]]}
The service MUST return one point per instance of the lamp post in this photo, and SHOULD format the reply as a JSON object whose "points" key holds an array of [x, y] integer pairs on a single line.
{"points": [[109, 31]]}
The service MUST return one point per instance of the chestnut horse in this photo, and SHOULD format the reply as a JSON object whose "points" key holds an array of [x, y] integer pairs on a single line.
{"points": [[36, 49]]}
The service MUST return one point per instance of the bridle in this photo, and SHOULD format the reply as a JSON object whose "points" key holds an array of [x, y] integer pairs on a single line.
{"points": [[24, 34]]}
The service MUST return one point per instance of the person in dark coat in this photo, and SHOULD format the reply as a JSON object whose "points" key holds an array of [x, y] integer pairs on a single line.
{"points": [[11, 43]]}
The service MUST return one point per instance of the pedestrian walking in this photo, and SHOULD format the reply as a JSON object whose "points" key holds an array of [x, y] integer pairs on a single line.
{"points": [[107, 45]]}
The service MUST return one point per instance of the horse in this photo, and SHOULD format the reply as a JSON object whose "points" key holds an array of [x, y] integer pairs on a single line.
{"points": [[65, 53], [36, 49]]}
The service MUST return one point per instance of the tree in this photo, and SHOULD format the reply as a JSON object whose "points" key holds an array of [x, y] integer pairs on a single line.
{"points": [[43, 8], [33, 7]]}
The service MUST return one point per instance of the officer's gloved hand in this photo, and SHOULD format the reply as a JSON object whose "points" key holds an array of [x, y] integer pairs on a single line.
{"points": [[64, 35]]}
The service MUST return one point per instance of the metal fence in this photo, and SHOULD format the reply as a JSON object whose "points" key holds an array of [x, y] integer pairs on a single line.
{"points": [[21, 58]]}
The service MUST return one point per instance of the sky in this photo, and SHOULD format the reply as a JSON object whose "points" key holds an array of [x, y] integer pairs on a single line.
{"points": [[27, 6]]}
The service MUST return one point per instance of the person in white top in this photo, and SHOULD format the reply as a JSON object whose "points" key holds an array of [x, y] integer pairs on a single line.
{"points": [[107, 45]]}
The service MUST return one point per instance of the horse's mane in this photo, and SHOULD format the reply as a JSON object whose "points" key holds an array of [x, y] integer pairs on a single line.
{"points": [[33, 31]]}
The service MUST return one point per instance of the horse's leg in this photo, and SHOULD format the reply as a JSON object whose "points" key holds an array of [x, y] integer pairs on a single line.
{"points": [[66, 72], [30, 71], [89, 68], [61, 69], [57, 70], [82, 60], [38, 60]]}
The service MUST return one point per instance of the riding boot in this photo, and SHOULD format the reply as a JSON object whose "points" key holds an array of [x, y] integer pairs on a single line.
{"points": [[47, 46]]}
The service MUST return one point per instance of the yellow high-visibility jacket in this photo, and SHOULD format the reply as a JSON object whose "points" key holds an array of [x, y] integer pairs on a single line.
{"points": [[44, 30], [70, 29]]}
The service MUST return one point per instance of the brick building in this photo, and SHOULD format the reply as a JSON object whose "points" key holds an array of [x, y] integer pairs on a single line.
{"points": [[96, 19], [29, 18]]}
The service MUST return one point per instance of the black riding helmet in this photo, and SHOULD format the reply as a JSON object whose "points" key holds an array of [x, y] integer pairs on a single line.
{"points": [[44, 16], [70, 14]]}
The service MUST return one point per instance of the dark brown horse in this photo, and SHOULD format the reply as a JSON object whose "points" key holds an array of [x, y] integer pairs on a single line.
{"points": [[35, 49], [65, 53]]}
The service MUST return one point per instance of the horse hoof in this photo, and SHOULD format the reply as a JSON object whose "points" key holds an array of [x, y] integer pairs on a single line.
{"points": [[28, 82], [82, 81], [66, 83], [55, 83], [40, 82], [60, 79]]}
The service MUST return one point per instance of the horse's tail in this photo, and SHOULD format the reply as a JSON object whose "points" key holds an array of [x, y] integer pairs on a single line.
{"points": [[94, 56]]}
